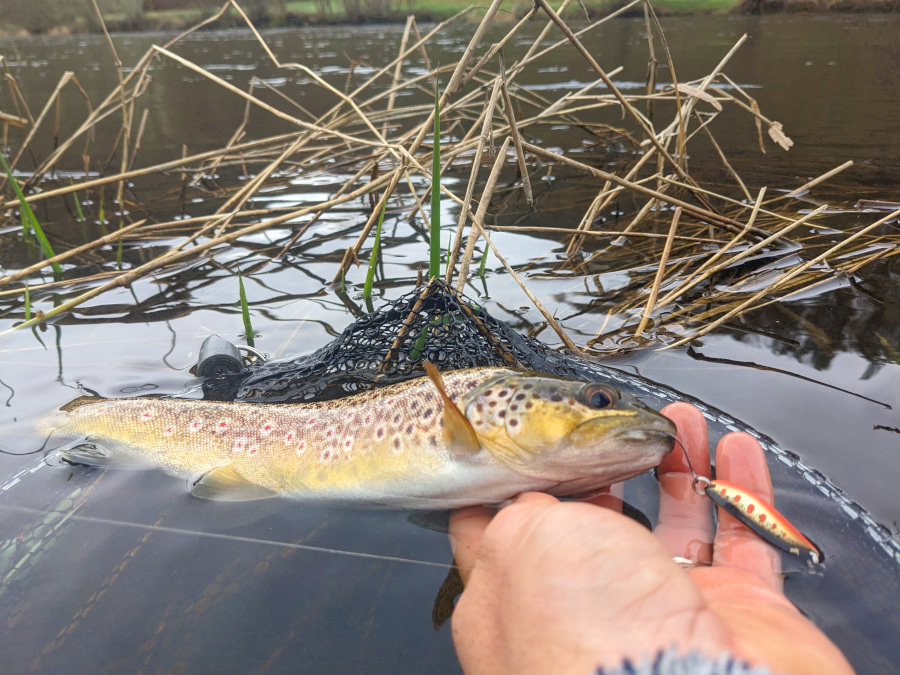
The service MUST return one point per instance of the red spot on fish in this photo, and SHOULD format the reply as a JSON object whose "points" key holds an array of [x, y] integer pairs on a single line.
{"points": [[301, 447], [762, 517], [196, 425], [723, 492], [312, 422], [100, 410], [390, 401], [326, 454], [751, 508], [239, 445], [147, 416], [329, 433], [737, 498], [267, 429], [347, 444], [168, 431], [773, 525], [253, 450], [289, 437], [222, 426]]}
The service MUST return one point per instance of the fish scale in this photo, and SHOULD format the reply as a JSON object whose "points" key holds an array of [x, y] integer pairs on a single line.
{"points": [[398, 446]]}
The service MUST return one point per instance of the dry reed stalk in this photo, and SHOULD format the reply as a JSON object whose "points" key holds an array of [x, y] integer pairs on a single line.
{"points": [[65, 255], [623, 101], [709, 268], [815, 181], [354, 250], [514, 132], [725, 162], [746, 304], [477, 225], [470, 187], [695, 211], [136, 173], [462, 275], [177, 253], [600, 233]]}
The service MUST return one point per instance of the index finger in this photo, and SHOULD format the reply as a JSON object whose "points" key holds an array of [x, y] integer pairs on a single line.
{"points": [[685, 519]]}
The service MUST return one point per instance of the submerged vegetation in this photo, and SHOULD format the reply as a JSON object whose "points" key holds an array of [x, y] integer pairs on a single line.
{"points": [[717, 252]]}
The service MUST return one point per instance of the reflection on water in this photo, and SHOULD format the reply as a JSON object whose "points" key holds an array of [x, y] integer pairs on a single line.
{"points": [[107, 571]]}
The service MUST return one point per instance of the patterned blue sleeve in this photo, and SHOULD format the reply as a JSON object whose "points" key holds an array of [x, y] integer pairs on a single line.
{"points": [[670, 662]]}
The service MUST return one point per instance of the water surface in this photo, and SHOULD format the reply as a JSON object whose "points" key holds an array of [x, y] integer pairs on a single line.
{"points": [[100, 587]]}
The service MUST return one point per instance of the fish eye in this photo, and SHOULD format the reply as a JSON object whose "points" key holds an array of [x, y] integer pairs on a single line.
{"points": [[597, 396]]}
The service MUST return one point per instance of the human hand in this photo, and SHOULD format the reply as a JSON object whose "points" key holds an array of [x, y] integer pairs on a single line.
{"points": [[564, 587]]}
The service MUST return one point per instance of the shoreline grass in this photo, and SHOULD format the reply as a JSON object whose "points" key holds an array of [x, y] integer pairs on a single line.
{"points": [[309, 12]]}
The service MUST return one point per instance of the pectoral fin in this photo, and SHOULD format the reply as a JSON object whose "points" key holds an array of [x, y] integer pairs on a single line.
{"points": [[227, 485], [458, 431]]}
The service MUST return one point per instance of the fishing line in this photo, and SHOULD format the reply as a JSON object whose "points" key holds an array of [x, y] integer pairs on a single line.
{"points": [[228, 537]]}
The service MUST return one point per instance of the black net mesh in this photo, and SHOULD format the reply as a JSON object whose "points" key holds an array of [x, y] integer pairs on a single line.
{"points": [[433, 323]]}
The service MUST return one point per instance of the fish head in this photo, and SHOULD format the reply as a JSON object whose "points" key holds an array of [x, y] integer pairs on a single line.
{"points": [[565, 430]]}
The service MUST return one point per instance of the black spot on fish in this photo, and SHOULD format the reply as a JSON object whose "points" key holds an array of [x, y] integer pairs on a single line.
{"points": [[513, 422], [491, 404], [502, 393], [414, 405], [409, 429], [397, 443], [529, 405], [427, 413], [570, 401], [556, 398], [528, 386], [396, 419], [379, 433], [519, 397], [501, 414], [513, 407], [489, 392]]}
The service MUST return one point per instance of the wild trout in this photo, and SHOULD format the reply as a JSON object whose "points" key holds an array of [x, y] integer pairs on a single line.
{"points": [[468, 437]]}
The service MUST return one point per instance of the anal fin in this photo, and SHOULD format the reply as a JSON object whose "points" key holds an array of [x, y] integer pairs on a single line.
{"points": [[227, 485]]}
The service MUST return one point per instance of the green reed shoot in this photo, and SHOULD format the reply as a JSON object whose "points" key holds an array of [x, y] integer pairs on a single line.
{"points": [[245, 311], [484, 257], [434, 268], [78, 207], [101, 213], [27, 303], [370, 274], [29, 220]]}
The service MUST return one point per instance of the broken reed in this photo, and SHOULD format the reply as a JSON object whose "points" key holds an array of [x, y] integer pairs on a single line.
{"points": [[366, 134]]}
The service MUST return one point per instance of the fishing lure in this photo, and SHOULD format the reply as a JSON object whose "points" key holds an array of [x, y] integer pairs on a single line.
{"points": [[759, 516], [756, 514]]}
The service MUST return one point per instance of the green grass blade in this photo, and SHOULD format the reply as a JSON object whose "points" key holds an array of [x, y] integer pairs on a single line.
{"points": [[245, 311], [434, 268], [78, 207], [27, 303], [483, 261], [370, 274], [29, 218]]}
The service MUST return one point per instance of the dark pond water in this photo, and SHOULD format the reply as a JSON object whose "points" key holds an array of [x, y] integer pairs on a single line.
{"points": [[125, 572]]}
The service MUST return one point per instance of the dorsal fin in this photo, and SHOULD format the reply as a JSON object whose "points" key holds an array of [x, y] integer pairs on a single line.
{"points": [[458, 431], [80, 401], [227, 485]]}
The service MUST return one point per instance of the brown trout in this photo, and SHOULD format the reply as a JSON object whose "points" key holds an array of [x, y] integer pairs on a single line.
{"points": [[468, 437]]}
